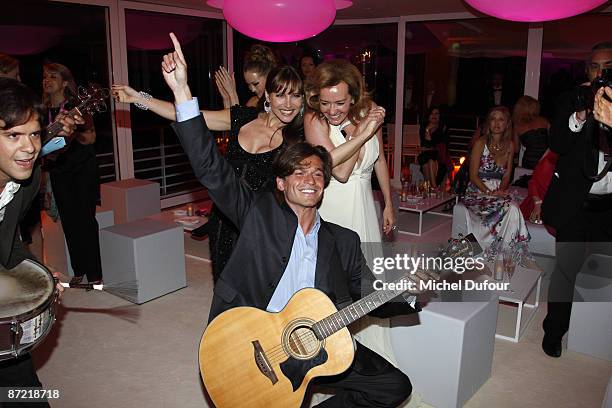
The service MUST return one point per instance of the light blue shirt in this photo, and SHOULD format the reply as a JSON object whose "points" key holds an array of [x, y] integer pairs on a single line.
{"points": [[300, 271], [187, 110]]}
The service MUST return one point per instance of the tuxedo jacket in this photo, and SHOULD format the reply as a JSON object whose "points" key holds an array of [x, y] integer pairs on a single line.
{"points": [[12, 251], [578, 159], [267, 230]]}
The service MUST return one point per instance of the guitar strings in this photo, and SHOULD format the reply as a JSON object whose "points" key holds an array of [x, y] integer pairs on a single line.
{"points": [[278, 352]]}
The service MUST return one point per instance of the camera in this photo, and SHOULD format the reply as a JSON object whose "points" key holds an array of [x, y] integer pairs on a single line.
{"points": [[585, 96], [604, 80]]}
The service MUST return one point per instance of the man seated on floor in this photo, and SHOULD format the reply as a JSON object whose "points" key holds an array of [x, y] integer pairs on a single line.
{"points": [[278, 230]]}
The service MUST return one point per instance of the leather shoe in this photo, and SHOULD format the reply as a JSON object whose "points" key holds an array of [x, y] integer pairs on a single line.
{"points": [[552, 347]]}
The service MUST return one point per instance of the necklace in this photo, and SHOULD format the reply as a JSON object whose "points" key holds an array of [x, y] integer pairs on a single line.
{"points": [[496, 149]]}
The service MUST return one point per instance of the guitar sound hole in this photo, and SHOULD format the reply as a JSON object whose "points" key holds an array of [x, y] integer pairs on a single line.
{"points": [[302, 343]]}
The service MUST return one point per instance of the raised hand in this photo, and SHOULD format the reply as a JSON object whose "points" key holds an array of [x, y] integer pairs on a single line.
{"points": [[124, 93], [174, 70], [226, 84], [371, 123]]}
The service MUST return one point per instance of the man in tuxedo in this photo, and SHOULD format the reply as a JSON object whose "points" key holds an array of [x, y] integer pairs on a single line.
{"points": [[284, 245], [497, 93], [21, 116], [579, 208]]}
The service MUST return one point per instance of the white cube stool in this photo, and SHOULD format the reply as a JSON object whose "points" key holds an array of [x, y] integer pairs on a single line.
{"points": [[607, 402], [590, 330], [143, 259], [131, 199], [55, 248], [449, 355]]}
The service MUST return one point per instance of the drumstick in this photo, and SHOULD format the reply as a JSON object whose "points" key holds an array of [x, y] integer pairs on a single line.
{"points": [[122, 289]]}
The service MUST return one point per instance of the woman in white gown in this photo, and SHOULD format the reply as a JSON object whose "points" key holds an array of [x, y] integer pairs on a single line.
{"points": [[347, 123]]}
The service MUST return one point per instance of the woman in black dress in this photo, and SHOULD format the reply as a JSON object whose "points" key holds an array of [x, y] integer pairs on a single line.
{"points": [[256, 137], [530, 131], [434, 160]]}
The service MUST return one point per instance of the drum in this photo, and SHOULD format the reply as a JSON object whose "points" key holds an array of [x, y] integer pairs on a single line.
{"points": [[27, 307]]}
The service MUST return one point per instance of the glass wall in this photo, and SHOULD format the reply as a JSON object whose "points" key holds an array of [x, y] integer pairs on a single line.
{"points": [[158, 155], [465, 67], [73, 35]]}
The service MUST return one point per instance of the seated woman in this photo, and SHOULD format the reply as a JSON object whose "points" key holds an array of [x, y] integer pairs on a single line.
{"points": [[538, 186], [530, 130], [434, 160], [493, 217]]}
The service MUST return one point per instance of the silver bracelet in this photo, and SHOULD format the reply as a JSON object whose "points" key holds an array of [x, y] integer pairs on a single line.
{"points": [[144, 96]]}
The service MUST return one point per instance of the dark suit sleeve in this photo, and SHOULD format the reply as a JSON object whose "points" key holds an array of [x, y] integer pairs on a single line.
{"points": [[560, 138], [231, 196], [18, 252]]}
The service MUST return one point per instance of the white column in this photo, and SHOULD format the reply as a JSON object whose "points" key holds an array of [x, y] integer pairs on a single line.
{"points": [[229, 47], [399, 102], [534, 60]]}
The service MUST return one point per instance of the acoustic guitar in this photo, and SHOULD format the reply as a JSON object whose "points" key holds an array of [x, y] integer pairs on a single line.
{"points": [[252, 358]]}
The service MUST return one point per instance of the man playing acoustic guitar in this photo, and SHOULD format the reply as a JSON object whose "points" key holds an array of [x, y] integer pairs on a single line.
{"points": [[284, 245]]}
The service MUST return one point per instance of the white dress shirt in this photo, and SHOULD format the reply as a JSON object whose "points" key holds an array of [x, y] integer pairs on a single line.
{"points": [[7, 195], [603, 186]]}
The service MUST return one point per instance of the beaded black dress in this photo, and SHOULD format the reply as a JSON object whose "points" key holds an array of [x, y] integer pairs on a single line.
{"points": [[253, 169], [536, 143]]}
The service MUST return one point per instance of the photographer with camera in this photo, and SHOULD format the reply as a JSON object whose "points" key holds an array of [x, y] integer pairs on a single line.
{"points": [[578, 204], [603, 105]]}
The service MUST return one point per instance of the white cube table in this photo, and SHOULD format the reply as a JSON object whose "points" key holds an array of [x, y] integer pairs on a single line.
{"points": [[55, 248], [131, 199], [447, 349], [524, 294], [145, 256], [590, 330], [425, 205]]}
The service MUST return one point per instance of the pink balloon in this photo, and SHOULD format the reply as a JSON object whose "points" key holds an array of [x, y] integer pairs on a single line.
{"points": [[534, 10], [279, 20], [340, 4]]}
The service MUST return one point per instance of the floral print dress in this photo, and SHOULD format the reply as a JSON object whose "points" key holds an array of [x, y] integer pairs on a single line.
{"points": [[496, 222]]}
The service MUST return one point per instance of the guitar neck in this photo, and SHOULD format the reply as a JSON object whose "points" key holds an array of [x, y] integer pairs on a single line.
{"points": [[342, 318], [54, 128]]}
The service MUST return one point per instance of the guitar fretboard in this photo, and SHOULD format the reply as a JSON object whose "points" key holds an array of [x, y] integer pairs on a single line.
{"points": [[342, 318], [54, 128]]}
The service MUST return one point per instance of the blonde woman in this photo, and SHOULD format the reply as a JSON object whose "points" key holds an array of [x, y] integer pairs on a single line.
{"points": [[493, 217]]}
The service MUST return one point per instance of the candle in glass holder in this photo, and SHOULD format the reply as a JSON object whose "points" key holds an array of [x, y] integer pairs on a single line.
{"points": [[190, 210], [498, 269]]}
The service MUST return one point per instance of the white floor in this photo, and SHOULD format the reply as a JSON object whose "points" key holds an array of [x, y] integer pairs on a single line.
{"points": [[106, 352]]}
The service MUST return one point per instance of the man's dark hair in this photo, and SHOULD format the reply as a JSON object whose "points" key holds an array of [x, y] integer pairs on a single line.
{"points": [[18, 103], [290, 158], [606, 45]]}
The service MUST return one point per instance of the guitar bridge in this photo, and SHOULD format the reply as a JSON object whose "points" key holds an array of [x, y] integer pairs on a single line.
{"points": [[262, 362]]}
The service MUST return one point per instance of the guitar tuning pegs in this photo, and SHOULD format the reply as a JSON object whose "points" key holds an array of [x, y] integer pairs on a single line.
{"points": [[100, 107]]}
